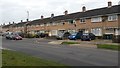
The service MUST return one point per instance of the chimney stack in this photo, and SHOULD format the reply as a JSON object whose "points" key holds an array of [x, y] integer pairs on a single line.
{"points": [[66, 12], [83, 9], [42, 17], [21, 21], [9, 23], [27, 20], [109, 4], [13, 22], [52, 15]]}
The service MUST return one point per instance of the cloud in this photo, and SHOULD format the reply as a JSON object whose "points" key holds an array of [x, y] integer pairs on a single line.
{"points": [[15, 10]]}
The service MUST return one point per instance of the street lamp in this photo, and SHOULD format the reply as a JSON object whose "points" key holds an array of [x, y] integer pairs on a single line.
{"points": [[25, 25]]}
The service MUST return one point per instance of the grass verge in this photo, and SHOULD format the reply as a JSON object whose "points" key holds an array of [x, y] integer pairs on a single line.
{"points": [[13, 58], [108, 46], [70, 43]]}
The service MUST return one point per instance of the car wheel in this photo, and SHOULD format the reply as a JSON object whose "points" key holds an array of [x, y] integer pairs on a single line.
{"points": [[81, 39], [90, 39]]}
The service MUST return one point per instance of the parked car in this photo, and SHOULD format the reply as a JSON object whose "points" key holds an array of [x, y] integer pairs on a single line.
{"points": [[75, 36], [13, 37], [41, 35], [59, 36], [87, 36], [63, 36], [17, 37], [9, 36]]}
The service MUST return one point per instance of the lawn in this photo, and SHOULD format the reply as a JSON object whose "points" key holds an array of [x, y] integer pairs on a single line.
{"points": [[70, 43], [13, 58], [109, 46]]}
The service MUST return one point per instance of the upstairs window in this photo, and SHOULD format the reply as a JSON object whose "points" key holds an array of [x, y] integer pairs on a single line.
{"points": [[37, 25], [82, 20], [61, 23], [71, 21], [96, 19], [112, 17], [54, 23], [48, 24], [42, 25]]}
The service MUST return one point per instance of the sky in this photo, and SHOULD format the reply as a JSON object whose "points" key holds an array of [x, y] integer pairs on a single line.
{"points": [[16, 10]]}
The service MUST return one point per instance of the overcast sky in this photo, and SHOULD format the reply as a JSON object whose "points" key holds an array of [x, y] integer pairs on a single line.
{"points": [[16, 10]]}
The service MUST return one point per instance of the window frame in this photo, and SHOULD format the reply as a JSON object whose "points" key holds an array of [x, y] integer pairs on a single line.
{"points": [[111, 17], [70, 21], [82, 20], [98, 19]]}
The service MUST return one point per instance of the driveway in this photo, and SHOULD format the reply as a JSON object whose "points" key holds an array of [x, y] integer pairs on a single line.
{"points": [[72, 56]]}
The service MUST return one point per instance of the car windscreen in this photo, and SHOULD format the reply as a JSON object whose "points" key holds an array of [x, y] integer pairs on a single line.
{"points": [[85, 34], [74, 33]]}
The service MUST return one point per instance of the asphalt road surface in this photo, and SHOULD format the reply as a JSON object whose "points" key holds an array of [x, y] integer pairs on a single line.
{"points": [[69, 55]]}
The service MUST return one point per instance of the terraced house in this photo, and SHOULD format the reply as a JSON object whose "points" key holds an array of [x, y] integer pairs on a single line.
{"points": [[100, 21]]}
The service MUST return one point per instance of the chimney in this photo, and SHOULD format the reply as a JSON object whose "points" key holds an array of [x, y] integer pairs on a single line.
{"points": [[83, 9], [3, 23], [66, 12], [109, 4], [21, 21], [9, 23], [27, 20], [42, 17], [52, 15], [13, 22]]}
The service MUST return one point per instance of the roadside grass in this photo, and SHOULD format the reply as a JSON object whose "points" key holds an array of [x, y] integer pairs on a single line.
{"points": [[70, 43], [109, 46], [13, 58]]}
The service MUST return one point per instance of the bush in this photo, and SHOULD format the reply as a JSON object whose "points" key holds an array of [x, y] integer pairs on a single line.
{"points": [[30, 36], [116, 39]]}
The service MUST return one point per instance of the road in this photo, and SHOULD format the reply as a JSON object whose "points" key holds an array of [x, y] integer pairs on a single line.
{"points": [[69, 55]]}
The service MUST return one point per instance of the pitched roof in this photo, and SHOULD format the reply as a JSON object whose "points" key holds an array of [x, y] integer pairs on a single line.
{"points": [[20, 24], [77, 15]]}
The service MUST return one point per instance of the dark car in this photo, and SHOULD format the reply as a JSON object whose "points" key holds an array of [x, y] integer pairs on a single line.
{"points": [[75, 36], [41, 35], [87, 37], [61, 36]]}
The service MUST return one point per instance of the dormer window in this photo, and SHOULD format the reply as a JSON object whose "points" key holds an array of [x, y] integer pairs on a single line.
{"points": [[112, 17]]}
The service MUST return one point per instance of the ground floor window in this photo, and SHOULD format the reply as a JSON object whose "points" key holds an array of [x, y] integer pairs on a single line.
{"points": [[97, 31], [117, 32], [54, 32], [84, 30], [71, 31]]}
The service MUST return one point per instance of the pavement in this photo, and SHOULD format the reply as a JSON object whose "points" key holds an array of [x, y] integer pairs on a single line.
{"points": [[81, 44], [65, 54], [92, 44]]}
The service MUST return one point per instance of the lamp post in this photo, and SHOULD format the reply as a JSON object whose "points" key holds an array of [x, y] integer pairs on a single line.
{"points": [[25, 25]]}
